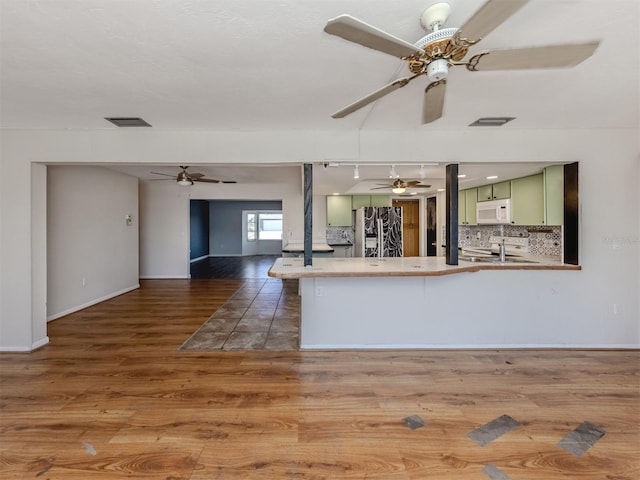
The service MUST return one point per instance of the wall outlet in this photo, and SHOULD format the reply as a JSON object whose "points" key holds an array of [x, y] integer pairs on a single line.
{"points": [[319, 292], [618, 309], [84, 282]]}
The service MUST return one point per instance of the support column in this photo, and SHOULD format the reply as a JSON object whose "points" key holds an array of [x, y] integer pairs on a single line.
{"points": [[308, 220], [452, 214]]}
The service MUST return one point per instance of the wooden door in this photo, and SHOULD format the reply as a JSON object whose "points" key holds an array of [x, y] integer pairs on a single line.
{"points": [[410, 226]]}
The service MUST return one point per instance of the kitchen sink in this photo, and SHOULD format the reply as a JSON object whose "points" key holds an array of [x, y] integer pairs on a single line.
{"points": [[493, 259]]}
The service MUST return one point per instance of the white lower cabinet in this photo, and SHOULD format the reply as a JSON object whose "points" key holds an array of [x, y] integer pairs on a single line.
{"points": [[342, 251]]}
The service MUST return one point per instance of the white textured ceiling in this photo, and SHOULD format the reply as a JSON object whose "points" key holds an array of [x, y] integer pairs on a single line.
{"points": [[268, 65]]}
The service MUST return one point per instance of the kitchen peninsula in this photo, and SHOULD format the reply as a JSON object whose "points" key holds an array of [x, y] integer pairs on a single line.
{"points": [[421, 302]]}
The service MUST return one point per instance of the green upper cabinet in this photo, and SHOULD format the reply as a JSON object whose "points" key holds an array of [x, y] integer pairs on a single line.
{"points": [[502, 190], [380, 201], [485, 193], [339, 211], [527, 200], [554, 195], [358, 201], [467, 206], [496, 191]]}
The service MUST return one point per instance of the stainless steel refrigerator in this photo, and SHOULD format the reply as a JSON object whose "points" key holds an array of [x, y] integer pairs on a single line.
{"points": [[378, 232]]}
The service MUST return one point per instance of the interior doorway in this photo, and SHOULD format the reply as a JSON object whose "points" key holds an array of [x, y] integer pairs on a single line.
{"points": [[410, 226], [432, 225]]}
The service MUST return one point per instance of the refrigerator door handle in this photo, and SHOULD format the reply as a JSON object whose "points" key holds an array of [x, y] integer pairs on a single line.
{"points": [[380, 240]]}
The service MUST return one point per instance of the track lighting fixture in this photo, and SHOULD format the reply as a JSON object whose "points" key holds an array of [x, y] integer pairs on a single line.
{"points": [[356, 172]]}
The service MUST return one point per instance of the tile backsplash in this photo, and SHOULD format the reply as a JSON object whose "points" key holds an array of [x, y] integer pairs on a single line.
{"points": [[543, 240], [337, 235]]}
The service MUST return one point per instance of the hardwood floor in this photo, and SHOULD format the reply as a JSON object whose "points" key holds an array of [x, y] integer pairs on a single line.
{"points": [[111, 397], [253, 266]]}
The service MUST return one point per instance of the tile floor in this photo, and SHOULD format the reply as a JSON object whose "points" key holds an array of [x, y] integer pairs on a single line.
{"points": [[263, 314]]}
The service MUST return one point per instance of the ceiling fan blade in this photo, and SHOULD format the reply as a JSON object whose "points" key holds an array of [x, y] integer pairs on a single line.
{"points": [[381, 188], [549, 56], [486, 19], [205, 180], [415, 184], [196, 175], [354, 30], [433, 102], [372, 97], [164, 174]]}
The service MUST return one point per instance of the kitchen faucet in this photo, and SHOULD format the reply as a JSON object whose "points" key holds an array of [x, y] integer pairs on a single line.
{"points": [[502, 252]]}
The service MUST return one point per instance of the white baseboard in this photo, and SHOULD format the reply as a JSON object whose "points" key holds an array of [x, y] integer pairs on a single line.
{"points": [[597, 346], [165, 277], [92, 302], [34, 345]]}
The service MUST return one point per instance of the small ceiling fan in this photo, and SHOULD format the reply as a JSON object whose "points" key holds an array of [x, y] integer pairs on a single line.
{"points": [[435, 53], [399, 186], [186, 179]]}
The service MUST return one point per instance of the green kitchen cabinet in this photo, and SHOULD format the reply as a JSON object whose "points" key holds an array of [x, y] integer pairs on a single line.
{"points": [[339, 211], [467, 206], [554, 195], [358, 201], [527, 200], [380, 201], [494, 191]]}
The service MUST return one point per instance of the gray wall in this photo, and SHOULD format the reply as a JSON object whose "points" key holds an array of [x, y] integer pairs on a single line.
{"points": [[225, 223]]}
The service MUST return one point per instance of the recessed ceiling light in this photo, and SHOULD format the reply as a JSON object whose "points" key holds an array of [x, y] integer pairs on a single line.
{"points": [[441, 190], [462, 175], [492, 177], [491, 121], [127, 121]]}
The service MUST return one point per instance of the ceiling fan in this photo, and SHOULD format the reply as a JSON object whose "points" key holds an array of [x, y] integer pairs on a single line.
{"points": [[186, 179], [443, 48], [399, 186]]}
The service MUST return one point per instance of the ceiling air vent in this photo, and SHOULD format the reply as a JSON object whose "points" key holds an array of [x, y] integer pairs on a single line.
{"points": [[127, 121], [491, 121]]}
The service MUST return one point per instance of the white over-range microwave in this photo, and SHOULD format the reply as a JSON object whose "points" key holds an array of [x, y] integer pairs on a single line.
{"points": [[493, 212]]}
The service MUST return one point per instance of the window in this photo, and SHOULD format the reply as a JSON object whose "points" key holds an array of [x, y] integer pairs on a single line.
{"points": [[251, 227], [264, 226], [270, 226]]}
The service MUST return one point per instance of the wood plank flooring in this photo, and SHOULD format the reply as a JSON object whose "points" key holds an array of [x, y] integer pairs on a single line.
{"points": [[111, 397]]}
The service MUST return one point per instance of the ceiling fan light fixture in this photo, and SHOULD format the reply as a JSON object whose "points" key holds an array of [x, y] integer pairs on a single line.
{"points": [[398, 190], [437, 70], [184, 180]]}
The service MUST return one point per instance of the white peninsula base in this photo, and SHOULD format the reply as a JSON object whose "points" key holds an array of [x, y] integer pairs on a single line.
{"points": [[424, 303]]}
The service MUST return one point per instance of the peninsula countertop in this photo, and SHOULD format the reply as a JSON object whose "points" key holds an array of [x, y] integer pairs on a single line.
{"points": [[315, 248], [398, 267]]}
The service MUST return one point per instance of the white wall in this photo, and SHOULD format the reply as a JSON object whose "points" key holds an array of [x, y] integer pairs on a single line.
{"points": [[164, 213], [609, 166], [92, 252]]}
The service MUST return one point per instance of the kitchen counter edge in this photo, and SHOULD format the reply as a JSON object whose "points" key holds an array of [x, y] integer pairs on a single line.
{"points": [[290, 268]]}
